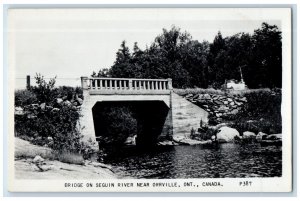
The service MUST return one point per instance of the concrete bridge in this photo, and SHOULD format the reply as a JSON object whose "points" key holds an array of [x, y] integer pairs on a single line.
{"points": [[156, 107]]}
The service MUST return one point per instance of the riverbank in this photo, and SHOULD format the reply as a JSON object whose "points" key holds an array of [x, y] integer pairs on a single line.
{"points": [[37, 162]]}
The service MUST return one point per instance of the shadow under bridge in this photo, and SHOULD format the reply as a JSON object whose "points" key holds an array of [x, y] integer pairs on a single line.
{"points": [[149, 120]]}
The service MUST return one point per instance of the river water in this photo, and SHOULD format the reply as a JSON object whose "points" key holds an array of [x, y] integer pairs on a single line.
{"points": [[227, 160]]}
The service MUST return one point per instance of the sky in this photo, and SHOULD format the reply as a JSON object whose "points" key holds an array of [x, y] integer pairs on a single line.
{"points": [[70, 43]]}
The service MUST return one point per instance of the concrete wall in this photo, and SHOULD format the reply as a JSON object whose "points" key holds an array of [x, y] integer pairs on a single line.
{"points": [[185, 116]]}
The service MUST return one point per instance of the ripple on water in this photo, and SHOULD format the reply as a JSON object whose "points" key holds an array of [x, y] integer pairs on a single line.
{"points": [[229, 160]]}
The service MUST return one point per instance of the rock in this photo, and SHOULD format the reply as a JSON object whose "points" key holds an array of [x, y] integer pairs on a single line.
{"points": [[19, 111], [79, 100], [55, 110], [274, 137], [261, 136], [201, 102], [232, 103], [229, 99], [234, 112], [131, 140], [165, 143], [50, 138], [34, 106], [38, 159], [239, 103], [188, 141], [206, 96], [31, 116], [218, 102], [49, 107], [195, 96], [75, 103], [218, 114], [226, 134], [65, 98], [59, 100], [47, 167], [67, 103], [189, 96], [219, 119], [43, 106], [223, 108], [248, 134], [244, 99], [225, 102]]}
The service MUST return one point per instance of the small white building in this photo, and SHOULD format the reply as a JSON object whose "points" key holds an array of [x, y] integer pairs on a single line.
{"points": [[233, 84]]}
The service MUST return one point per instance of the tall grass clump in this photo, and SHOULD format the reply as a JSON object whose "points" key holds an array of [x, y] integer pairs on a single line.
{"points": [[183, 92]]}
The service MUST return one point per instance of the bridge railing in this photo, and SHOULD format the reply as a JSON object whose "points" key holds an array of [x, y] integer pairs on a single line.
{"points": [[93, 83]]}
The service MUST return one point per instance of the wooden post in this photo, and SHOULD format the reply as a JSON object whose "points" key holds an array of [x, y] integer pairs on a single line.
{"points": [[28, 82]]}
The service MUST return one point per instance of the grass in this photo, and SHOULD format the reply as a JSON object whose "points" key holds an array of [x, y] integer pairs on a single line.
{"points": [[183, 92], [72, 158]]}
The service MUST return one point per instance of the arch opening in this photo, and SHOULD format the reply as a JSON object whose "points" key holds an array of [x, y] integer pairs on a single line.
{"points": [[115, 121]]}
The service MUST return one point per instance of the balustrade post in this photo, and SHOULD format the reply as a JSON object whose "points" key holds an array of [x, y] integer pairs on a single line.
{"points": [[100, 84], [84, 82], [110, 84], [105, 84], [170, 84], [96, 84], [130, 84]]}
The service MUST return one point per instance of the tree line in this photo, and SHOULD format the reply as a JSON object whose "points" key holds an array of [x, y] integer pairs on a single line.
{"points": [[190, 63]]}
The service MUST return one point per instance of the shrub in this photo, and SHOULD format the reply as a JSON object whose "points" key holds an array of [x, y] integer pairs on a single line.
{"points": [[43, 90], [118, 124], [24, 97], [262, 112], [54, 121], [68, 92]]}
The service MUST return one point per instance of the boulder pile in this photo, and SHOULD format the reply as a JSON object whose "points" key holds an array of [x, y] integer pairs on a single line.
{"points": [[32, 109]]}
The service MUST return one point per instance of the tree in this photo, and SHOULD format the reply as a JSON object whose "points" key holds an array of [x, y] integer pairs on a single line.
{"points": [[190, 63], [267, 56]]}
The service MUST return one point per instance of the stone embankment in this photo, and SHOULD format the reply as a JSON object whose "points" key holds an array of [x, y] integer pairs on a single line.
{"points": [[223, 110]]}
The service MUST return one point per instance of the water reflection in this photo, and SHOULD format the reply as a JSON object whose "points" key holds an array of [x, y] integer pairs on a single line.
{"points": [[226, 160]]}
